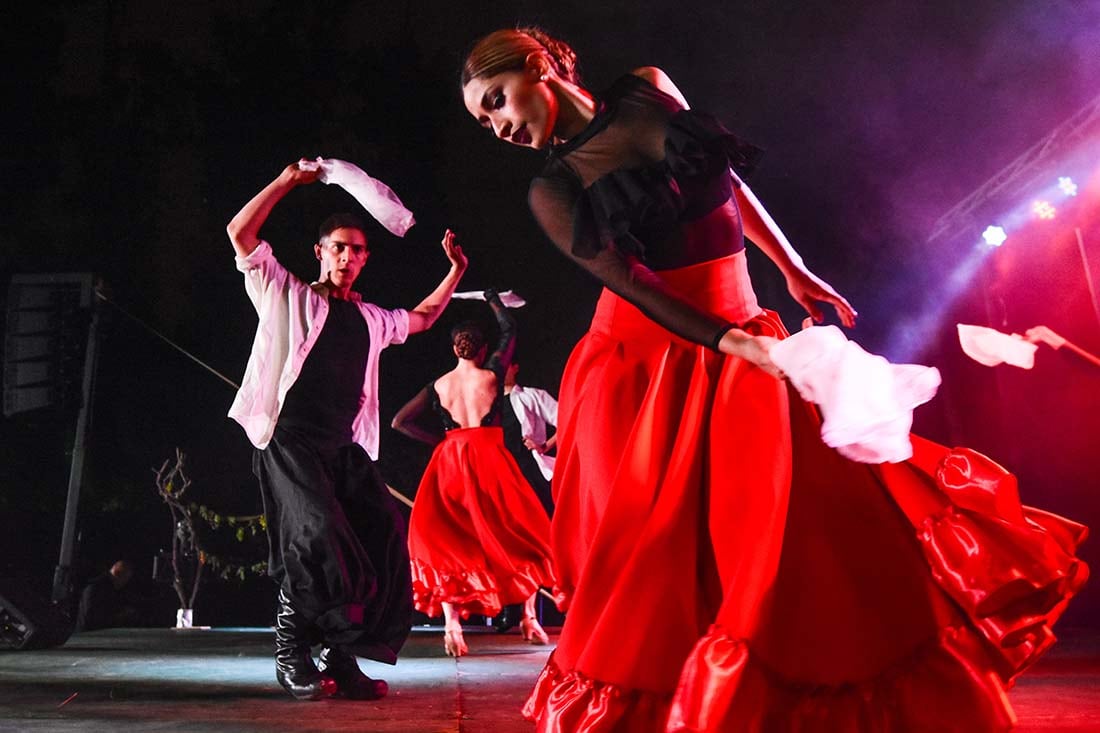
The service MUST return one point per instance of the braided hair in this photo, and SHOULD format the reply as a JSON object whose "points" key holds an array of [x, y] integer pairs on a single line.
{"points": [[468, 339]]}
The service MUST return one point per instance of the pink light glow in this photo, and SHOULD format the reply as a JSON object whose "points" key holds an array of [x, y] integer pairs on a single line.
{"points": [[1043, 210]]}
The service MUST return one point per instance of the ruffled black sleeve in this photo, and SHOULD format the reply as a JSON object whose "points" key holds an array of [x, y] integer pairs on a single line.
{"points": [[697, 144], [615, 196], [555, 202]]}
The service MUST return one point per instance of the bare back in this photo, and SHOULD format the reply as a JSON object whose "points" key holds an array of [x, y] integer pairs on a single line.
{"points": [[468, 394]]}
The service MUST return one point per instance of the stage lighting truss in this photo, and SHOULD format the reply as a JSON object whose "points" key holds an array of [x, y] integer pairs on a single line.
{"points": [[1022, 174]]}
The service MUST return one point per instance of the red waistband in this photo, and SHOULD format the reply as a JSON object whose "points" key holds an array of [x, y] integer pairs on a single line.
{"points": [[478, 432], [721, 287]]}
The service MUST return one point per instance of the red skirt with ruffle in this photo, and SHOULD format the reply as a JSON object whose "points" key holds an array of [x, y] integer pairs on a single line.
{"points": [[724, 570], [478, 537]]}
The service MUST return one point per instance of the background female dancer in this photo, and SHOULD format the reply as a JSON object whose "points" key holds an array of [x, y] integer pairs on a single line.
{"points": [[478, 537], [721, 567]]}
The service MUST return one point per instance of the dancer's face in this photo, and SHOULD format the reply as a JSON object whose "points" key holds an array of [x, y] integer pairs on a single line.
{"points": [[516, 106], [342, 253]]}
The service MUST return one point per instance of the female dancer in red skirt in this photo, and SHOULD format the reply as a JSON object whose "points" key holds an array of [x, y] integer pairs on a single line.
{"points": [[478, 537], [724, 570]]}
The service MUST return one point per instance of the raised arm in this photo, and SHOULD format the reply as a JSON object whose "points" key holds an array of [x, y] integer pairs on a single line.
{"points": [[805, 287], [761, 229], [244, 229], [431, 308], [407, 419], [501, 357]]}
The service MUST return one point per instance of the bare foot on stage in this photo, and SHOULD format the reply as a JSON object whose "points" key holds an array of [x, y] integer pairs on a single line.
{"points": [[453, 642], [532, 631]]}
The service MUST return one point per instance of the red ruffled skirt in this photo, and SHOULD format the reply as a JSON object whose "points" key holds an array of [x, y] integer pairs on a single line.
{"points": [[724, 570], [478, 537]]}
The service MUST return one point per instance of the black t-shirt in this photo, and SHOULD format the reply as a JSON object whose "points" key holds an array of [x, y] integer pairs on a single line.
{"points": [[631, 194], [323, 402]]}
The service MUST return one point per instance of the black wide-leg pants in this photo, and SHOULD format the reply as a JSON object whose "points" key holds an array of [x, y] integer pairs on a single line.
{"points": [[339, 544]]}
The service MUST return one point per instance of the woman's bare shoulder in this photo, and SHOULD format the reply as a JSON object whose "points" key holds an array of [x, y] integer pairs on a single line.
{"points": [[658, 78]]}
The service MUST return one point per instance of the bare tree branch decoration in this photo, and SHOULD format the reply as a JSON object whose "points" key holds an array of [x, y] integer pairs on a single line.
{"points": [[187, 561]]}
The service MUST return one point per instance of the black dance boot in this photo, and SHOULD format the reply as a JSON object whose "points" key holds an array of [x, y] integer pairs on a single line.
{"points": [[340, 665], [294, 667]]}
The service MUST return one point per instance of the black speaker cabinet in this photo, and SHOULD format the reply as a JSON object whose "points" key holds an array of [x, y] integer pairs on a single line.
{"points": [[28, 621], [45, 340]]}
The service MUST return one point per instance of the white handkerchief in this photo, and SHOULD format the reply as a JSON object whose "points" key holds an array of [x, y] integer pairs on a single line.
{"points": [[991, 347], [508, 298], [866, 402], [376, 197]]}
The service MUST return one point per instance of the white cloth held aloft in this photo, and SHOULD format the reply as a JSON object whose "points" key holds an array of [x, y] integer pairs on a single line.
{"points": [[990, 347], [376, 197], [508, 298], [866, 402]]}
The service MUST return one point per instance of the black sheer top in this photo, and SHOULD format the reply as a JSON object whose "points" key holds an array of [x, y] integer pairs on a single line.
{"points": [[646, 186], [497, 363]]}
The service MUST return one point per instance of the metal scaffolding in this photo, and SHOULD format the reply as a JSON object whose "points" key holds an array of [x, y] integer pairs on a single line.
{"points": [[1021, 174]]}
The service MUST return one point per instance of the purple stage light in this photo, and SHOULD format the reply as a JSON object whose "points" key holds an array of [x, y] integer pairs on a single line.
{"points": [[1067, 186]]}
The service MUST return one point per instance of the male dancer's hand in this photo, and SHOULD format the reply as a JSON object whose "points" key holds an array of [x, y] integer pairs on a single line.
{"points": [[531, 444], [304, 172], [454, 253], [244, 229], [424, 315]]}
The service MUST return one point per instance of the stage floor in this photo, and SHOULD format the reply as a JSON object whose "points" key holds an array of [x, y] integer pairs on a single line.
{"points": [[223, 680]]}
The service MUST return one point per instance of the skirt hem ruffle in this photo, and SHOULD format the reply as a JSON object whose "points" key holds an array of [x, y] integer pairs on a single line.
{"points": [[910, 696], [475, 590]]}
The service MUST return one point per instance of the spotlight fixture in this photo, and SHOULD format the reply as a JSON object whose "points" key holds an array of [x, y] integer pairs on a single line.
{"points": [[1043, 210], [994, 236], [1067, 186]]}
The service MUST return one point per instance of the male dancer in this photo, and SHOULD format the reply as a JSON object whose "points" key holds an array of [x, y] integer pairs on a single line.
{"points": [[309, 403], [525, 418], [531, 411]]}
